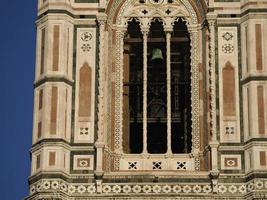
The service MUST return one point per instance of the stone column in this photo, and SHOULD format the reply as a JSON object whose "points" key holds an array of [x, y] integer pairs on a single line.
{"points": [[168, 28], [145, 33], [145, 30], [168, 68], [118, 56], [194, 36], [213, 123], [100, 143]]}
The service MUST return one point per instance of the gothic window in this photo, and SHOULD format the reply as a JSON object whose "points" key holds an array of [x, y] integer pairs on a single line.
{"points": [[156, 90], [133, 89], [157, 93], [180, 89]]}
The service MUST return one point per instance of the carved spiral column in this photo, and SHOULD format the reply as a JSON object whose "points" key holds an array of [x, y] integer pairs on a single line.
{"points": [[101, 22], [100, 143], [118, 89], [194, 36], [212, 80]]}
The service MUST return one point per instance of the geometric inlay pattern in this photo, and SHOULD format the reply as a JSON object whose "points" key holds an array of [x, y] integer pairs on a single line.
{"points": [[73, 189], [156, 165], [228, 48], [86, 47], [181, 165], [84, 131], [230, 130], [86, 36], [132, 165], [83, 162], [227, 36], [230, 162]]}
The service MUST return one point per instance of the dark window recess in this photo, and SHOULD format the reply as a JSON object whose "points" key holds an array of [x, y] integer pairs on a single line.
{"points": [[181, 89], [157, 90], [133, 89]]}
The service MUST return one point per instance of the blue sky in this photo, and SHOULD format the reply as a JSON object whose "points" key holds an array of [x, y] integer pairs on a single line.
{"points": [[17, 58]]}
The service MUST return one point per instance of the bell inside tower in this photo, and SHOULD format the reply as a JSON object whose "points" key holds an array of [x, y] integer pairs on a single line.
{"points": [[156, 105]]}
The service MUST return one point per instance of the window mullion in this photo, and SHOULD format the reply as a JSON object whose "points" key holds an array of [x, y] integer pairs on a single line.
{"points": [[145, 33], [168, 48]]}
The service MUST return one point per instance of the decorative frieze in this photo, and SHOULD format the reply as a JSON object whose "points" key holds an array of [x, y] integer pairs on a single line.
{"points": [[237, 190], [157, 162]]}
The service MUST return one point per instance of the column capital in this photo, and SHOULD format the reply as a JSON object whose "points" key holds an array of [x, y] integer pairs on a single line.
{"points": [[145, 25], [194, 28], [101, 18], [168, 30], [145, 32], [120, 31], [211, 16], [168, 25], [214, 144], [212, 19]]}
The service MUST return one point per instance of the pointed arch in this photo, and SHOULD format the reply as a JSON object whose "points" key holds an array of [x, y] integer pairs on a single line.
{"points": [[196, 8], [229, 108], [85, 88]]}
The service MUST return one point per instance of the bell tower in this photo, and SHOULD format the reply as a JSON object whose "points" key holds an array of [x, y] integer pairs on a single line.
{"points": [[150, 99]]}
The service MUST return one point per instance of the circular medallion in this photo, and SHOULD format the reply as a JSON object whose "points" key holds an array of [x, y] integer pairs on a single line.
{"points": [[86, 36]]}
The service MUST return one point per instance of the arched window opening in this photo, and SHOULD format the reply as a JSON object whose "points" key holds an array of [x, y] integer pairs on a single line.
{"points": [[181, 89], [133, 89], [157, 93], [156, 90]]}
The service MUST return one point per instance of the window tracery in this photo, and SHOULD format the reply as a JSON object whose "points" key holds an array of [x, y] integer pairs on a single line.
{"points": [[145, 12]]}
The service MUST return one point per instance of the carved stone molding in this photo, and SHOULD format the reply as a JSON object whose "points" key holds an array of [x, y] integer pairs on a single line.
{"points": [[145, 13], [212, 78], [236, 190], [200, 4], [119, 89], [101, 19]]}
